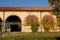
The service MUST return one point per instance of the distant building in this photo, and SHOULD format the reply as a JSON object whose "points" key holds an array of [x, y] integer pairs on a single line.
{"points": [[12, 17]]}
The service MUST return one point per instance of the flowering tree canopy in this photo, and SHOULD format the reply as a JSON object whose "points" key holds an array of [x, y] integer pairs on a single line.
{"points": [[48, 17], [31, 19], [48, 22]]}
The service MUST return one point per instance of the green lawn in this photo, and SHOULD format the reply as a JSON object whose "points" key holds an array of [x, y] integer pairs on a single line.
{"points": [[30, 36]]}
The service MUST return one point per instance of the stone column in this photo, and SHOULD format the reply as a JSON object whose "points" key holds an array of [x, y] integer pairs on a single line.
{"points": [[3, 23]]}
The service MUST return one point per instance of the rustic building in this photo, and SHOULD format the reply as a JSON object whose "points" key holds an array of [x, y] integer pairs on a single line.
{"points": [[13, 18]]}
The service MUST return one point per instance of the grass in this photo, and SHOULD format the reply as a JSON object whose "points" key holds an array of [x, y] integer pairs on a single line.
{"points": [[29, 36], [19, 38]]}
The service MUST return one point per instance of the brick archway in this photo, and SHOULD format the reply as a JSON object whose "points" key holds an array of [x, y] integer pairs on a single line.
{"points": [[13, 23]]}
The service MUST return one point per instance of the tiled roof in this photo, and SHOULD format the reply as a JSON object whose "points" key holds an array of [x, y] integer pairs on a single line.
{"points": [[25, 8]]}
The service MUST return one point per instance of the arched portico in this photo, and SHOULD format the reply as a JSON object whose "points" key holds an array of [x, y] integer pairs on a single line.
{"points": [[13, 23]]}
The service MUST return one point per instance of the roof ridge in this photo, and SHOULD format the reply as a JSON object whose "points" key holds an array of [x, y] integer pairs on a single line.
{"points": [[26, 8]]}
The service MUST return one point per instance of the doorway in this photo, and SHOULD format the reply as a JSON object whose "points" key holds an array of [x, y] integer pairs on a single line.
{"points": [[15, 28]]}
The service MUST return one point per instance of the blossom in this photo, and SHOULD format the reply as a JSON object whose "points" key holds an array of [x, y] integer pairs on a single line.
{"points": [[32, 18]]}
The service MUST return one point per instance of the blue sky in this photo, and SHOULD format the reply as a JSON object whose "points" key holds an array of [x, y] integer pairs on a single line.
{"points": [[24, 3]]}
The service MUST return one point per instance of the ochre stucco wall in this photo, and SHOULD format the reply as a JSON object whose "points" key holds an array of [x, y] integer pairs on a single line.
{"points": [[1, 15], [23, 14]]}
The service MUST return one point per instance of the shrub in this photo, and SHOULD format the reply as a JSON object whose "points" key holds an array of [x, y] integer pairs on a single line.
{"points": [[32, 21], [48, 23]]}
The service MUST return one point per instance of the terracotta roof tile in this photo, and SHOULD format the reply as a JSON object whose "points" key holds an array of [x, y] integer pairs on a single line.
{"points": [[25, 8]]}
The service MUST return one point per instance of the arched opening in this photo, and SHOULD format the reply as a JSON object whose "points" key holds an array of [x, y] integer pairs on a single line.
{"points": [[32, 20], [13, 23], [48, 23], [0, 25]]}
